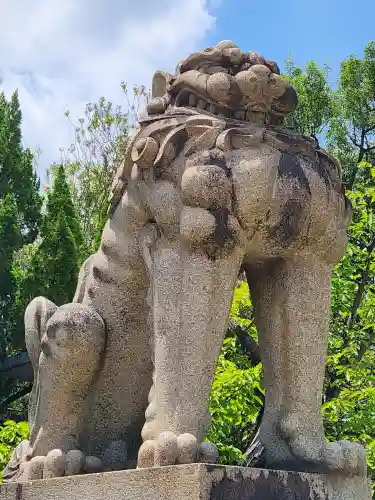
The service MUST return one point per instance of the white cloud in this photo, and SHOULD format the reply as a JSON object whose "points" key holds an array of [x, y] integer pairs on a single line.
{"points": [[64, 54]]}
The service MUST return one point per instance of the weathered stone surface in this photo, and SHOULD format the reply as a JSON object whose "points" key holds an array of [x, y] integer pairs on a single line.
{"points": [[192, 482], [211, 183]]}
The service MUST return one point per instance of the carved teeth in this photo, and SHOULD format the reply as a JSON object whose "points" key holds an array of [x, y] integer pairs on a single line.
{"points": [[201, 104], [192, 100], [239, 115]]}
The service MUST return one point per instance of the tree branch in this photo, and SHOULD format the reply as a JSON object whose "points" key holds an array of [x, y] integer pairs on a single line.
{"points": [[247, 343], [17, 367], [14, 397], [361, 287], [254, 454], [361, 154]]}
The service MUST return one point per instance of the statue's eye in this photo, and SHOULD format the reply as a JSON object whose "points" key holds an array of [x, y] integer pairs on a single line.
{"points": [[208, 49]]}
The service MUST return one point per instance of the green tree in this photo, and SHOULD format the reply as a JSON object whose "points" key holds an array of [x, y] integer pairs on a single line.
{"points": [[10, 237], [349, 407], [101, 137], [49, 267], [314, 95], [59, 201], [54, 266], [237, 392], [11, 434], [352, 130], [20, 207], [17, 175]]}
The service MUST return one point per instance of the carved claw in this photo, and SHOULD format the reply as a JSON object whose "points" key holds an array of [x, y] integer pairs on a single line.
{"points": [[59, 464], [170, 449], [346, 457], [310, 453]]}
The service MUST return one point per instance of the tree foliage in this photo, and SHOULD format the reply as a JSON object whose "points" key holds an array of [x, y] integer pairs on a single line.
{"points": [[10, 237], [101, 137], [237, 391], [11, 434], [352, 128], [52, 269], [17, 175], [314, 95], [20, 206]]}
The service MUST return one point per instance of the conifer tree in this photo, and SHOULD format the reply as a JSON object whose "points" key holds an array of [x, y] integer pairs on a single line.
{"points": [[10, 237], [54, 267], [20, 205], [17, 173], [60, 200]]}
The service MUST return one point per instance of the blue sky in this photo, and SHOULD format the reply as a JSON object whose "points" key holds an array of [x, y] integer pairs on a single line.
{"points": [[61, 55], [324, 30]]}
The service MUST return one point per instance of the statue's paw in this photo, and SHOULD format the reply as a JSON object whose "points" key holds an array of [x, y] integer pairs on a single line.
{"points": [[170, 449], [346, 457], [59, 464], [306, 452]]}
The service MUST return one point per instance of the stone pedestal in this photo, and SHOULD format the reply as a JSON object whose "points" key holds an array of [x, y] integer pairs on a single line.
{"points": [[192, 482]]}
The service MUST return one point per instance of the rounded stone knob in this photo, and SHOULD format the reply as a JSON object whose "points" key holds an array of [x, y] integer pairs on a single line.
{"points": [[254, 58], [206, 186], [226, 44], [218, 86], [196, 225]]}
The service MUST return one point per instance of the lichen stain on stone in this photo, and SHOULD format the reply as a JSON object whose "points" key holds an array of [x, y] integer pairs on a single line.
{"points": [[289, 225], [290, 167], [265, 487], [18, 491], [223, 238]]}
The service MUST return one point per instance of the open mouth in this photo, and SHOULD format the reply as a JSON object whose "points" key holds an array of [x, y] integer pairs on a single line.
{"points": [[193, 102], [203, 104]]}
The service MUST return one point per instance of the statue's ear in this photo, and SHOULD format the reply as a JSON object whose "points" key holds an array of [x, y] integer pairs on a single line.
{"points": [[160, 83]]}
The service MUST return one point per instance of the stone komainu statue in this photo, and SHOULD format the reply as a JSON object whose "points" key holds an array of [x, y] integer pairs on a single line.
{"points": [[211, 183]]}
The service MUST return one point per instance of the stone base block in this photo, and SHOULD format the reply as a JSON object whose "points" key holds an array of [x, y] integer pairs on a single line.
{"points": [[192, 482]]}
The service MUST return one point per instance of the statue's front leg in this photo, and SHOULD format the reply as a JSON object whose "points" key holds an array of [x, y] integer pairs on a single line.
{"points": [[193, 275]]}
